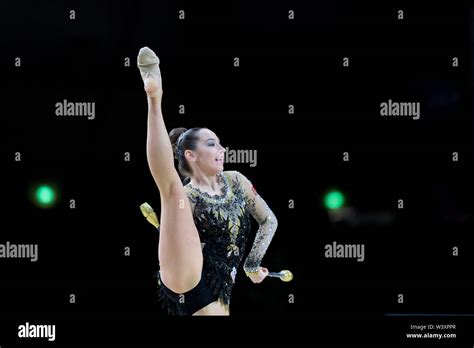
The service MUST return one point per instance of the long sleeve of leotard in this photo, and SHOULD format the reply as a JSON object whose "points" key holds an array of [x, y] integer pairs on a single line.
{"points": [[267, 221]]}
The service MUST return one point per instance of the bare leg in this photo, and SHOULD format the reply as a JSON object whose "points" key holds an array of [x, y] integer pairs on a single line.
{"points": [[179, 251]]}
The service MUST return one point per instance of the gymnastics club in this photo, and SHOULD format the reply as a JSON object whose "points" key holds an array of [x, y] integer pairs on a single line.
{"points": [[285, 275], [152, 218], [150, 215]]}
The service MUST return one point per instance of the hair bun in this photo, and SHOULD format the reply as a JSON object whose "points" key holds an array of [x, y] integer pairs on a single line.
{"points": [[175, 133], [174, 136]]}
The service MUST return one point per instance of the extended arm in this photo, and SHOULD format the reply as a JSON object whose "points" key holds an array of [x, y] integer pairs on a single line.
{"points": [[267, 221]]}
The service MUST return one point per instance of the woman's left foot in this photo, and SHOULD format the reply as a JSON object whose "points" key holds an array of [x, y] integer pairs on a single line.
{"points": [[149, 65]]}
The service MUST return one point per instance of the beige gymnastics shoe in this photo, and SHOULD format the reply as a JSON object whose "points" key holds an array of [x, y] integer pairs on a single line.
{"points": [[149, 65]]}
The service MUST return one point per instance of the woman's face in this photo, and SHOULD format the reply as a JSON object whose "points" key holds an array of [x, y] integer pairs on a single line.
{"points": [[209, 154]]}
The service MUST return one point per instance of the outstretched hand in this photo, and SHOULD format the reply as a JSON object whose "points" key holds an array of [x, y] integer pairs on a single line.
{"points": [[260, 276]]}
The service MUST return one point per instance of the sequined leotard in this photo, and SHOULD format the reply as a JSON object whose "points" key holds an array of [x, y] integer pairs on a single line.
{"points": [[224, 222]]}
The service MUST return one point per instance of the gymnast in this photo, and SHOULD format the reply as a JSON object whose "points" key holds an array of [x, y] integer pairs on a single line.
{"points": [[205, 219]]}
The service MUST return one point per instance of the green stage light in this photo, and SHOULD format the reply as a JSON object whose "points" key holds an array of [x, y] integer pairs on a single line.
{"points": [[334, 199], [45, 196]]}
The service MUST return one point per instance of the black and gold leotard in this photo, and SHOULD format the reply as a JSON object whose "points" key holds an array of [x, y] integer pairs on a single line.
{"points": [[224, 222]]}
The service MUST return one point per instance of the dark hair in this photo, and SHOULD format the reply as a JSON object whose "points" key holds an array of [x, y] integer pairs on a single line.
{"points": [[183, 139]]}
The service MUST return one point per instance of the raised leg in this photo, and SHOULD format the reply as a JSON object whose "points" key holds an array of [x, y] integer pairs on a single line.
{"points": [[179, 251]]}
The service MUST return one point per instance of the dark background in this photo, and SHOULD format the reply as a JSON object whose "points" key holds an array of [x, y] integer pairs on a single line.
{"points": [[282, 62]]}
